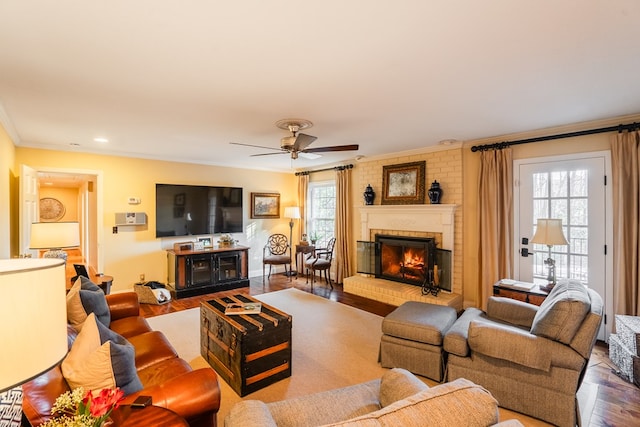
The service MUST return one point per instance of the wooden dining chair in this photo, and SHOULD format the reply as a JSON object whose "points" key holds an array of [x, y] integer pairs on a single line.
{"points": [[276, 252], [321, 261]]}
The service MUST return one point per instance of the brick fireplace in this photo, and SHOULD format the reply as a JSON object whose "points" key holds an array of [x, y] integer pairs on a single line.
{"points": [[406, 220]]}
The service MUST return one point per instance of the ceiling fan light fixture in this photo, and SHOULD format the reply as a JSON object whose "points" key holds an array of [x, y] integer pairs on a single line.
{"points": [[297, 143], [287, 142]]}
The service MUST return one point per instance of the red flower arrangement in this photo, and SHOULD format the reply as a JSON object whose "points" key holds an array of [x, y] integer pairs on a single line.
{"points": [[77, 409]]}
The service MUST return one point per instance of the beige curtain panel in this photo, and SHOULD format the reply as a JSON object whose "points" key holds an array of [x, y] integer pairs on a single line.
{"points": [[303, 188], [625, 160], [495, 204], [343, 224]]}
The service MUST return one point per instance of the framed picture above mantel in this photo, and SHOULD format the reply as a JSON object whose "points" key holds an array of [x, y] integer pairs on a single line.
{"points": [[403, 184]]}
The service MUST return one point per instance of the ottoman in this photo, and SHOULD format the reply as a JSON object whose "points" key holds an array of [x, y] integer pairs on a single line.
{"points": [[412, 338]]}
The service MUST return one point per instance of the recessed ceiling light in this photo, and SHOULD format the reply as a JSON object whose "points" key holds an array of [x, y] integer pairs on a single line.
{"points": [[100, 139], [448, 141], [74, 144]]}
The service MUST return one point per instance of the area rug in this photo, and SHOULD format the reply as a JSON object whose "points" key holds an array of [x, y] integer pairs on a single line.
{"points": [[334, 345]]}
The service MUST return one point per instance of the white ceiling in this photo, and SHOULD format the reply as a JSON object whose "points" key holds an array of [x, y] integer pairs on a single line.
{"points": [[179, 80]]}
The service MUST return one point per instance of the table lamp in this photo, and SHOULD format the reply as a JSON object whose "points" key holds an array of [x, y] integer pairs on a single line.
{"points": [[54, 236], [549, 232], [33, 326], [291, 212]]}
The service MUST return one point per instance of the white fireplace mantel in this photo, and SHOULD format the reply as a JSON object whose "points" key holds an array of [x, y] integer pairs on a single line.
{"points": [[425, 218], [408, 218]]}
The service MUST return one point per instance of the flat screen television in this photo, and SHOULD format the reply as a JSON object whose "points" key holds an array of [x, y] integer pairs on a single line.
{"points": [[183, 210]]}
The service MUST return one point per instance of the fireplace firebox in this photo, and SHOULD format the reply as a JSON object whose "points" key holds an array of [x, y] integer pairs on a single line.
{"points": [[412, 260], [405, 259]]}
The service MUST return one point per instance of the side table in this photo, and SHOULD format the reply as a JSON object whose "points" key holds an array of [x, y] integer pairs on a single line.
{"points": [[103, 281], [301, 250], [157, 416], [522, 291]]}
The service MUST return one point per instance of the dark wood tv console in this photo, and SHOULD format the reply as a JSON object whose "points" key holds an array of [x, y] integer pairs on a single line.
{"points": [[214, 269]]}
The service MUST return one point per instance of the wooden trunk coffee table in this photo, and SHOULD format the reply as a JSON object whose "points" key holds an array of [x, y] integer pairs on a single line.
{"points": [[249, 351]]}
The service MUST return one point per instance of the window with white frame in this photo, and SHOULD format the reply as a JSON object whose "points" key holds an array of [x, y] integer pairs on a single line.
{"points": [[321, 211], [563, 194]]}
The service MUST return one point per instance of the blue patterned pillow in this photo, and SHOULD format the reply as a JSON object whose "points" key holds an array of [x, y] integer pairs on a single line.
{"points": [[86, 297]]}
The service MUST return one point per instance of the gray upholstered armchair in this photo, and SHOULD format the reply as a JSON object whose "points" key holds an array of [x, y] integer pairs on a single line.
{"points": [[532, 359]]}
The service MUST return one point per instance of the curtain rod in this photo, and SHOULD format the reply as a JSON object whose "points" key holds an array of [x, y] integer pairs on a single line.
{"points": [[337, 168], [505, 144]]}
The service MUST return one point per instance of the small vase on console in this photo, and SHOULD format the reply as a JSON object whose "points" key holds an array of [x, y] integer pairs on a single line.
{"points": [[435, 193], [369, 195]]}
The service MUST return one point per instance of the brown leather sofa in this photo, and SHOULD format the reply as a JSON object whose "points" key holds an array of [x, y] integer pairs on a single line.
{"points": [[169, 380]]}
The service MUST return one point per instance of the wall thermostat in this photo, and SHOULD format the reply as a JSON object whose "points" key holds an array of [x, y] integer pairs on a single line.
{"points": [[134, 200]]}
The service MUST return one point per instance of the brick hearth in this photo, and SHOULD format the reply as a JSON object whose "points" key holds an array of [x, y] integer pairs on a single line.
{"points": [[395, 293]]}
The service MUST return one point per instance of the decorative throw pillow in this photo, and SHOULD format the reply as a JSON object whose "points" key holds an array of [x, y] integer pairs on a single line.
{"points": [[99, 358], [86, 297], [562, 312], [397, 384]]}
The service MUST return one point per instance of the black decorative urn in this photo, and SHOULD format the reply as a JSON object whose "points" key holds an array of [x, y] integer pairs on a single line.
{"points": [[435, 193], [369, 195]]}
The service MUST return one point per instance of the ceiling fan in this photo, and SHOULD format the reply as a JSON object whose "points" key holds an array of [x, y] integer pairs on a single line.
{"points": [[297, 143]]}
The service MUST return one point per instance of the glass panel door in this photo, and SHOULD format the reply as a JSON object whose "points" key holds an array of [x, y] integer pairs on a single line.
{"points": [[573, 190]]}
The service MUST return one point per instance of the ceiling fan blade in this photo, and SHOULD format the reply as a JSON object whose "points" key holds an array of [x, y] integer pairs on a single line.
{"points": [[351, 147], [256, 146], [303, 141], [309, 156], [269, 154]]}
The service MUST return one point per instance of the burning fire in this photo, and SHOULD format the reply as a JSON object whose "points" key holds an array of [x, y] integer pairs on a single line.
{"points": [[413, 258], [409, 264]]}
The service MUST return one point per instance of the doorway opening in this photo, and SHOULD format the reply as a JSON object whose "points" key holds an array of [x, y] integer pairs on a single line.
{"points": [[571, 188], [77, 195]]}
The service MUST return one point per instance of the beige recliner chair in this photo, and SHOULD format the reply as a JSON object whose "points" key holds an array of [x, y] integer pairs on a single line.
{"points": [[532, 359]]}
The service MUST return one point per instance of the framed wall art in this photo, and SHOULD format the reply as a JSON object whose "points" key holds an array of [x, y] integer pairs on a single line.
{"points": [[265, 205], [51, 209], [403, 184]]}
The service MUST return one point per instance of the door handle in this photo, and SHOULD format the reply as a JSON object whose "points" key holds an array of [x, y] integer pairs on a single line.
{"points": [[525, 252]]}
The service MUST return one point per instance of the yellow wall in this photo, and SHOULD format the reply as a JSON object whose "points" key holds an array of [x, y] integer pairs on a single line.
{"points": [[7, 188], [135, 250]]}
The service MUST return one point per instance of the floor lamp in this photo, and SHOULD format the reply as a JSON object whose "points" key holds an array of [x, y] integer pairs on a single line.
{"points": [[291, 212], [33, 343], [549, 232]]}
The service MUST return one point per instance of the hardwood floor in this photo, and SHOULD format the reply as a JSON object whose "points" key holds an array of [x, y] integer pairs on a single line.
{"points": [[617, 402]]}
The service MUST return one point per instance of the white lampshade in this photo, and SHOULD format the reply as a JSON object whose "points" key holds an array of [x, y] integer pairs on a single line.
{"points": [[292, 212], [33, 318], [549, 232], [48, 235]]}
